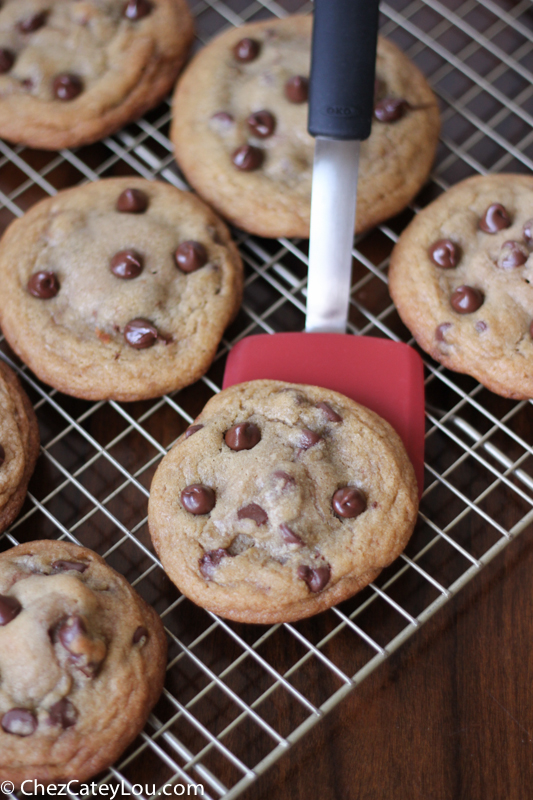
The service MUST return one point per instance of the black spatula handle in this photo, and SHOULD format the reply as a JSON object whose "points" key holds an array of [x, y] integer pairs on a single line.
{"points": [[343, 68]]}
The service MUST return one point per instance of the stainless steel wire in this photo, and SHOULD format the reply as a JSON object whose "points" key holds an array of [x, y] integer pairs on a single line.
{"points": [[237, 696]]}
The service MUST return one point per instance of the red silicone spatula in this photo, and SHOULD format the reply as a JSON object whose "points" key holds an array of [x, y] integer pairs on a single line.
{"points": [[383, 375]]}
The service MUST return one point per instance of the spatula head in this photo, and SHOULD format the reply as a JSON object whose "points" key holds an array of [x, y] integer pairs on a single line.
{"points": [[385, 376]]}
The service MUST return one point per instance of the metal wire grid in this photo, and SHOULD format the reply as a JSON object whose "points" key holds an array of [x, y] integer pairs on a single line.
{"points": [[237, 696]]}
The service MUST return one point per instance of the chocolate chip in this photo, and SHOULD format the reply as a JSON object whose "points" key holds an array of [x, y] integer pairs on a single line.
{"points": [[297, 89], [287, 479], [70, 630], [2, 455], [329, 412], [63, 713], [192, 429], [140, 333], [348, 502], [445, 253], [527, 231], [531, 330], [132, 201], [43, 285], [7, 59], [140, 633], [67, 87], [390, 109], [33, 23], [512, 255], [9, 609], [127, 264], [85, 654], [481, 326], [246, 50], [198, 499], [288, 535], [441, 331], [316, 578], [466, 299], [255, 512], [223, 117], [210, 561], [308, 439], [247, 158], [166, 338], [494, 219], [137, 9], [262, 124], [66, 566], [243, 436], [190, 256], [19, 721]]}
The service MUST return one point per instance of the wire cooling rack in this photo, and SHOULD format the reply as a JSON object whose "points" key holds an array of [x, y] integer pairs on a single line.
{"points": [[236, 696]]}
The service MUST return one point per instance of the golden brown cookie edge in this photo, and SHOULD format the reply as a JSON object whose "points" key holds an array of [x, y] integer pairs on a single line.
{"points": [[250, 611], [107, 754]]}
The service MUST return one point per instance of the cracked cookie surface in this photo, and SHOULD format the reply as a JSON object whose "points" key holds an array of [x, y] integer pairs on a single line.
{"points": [[118, 289], [281, 501], [240, 129], [19, 445], [461, 277], [82, 662], [74, 71]]}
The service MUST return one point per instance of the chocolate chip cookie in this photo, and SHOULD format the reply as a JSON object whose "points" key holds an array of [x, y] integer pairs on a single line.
{"points": [[240, 129], [19, 445], [461, 277], [74, 71], [118, 289], [82, 662], [281, 501]]}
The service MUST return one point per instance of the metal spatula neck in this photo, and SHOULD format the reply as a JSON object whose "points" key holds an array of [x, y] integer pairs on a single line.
{"points": [[333, 206]]}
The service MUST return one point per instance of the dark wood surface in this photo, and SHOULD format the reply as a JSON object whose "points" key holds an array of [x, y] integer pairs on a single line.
{"points": [[449, 716]]}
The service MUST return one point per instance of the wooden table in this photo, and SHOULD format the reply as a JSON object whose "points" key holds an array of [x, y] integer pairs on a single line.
{"points": [[449, 716]]}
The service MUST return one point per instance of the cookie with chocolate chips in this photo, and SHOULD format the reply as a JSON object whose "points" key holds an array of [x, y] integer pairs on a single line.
{"points": [[281, 501], [82, 662], [74, 71], [19, 445], [119, 289], [461, 276], [240, 129]]}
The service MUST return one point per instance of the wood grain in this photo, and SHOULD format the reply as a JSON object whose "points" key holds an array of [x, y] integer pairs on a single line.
{"points": [[449, 716]]}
